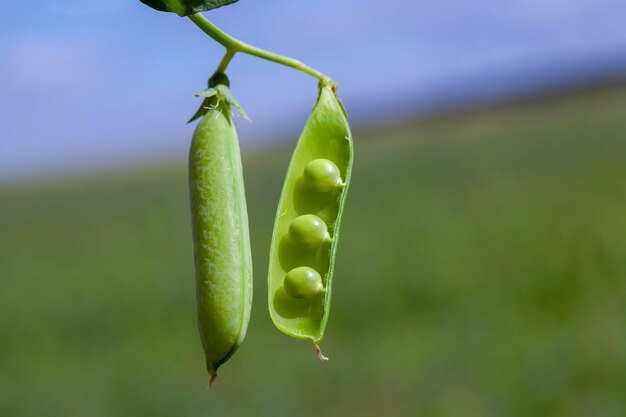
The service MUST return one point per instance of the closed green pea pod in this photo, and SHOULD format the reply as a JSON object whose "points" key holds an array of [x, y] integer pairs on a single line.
{"points": [[306, 230], [220, 230]]}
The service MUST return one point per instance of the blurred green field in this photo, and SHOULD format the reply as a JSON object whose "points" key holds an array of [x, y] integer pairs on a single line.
{"points": [[481, 272]]}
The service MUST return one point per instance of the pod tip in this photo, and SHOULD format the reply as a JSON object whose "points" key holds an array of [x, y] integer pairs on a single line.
{"points": [[319, 353], [211, 381]]}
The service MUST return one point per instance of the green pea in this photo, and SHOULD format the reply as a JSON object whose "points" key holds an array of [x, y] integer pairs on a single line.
{"points": [[308, 215], [303, 282], [309, 230], [322, 175], [220, 232]]}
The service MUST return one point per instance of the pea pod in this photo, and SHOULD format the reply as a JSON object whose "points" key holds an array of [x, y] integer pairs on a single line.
{"points": [[220, 228], [306, 230]]}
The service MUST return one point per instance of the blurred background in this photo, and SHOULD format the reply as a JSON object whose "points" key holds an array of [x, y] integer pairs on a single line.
{"points": [[483, 258]]}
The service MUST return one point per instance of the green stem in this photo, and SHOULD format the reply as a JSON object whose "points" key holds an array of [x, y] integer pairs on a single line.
{"points": [[225, 60], [233, 46]]}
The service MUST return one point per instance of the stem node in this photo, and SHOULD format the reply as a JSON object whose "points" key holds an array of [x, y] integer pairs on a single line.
{"points": [[233, 46]]}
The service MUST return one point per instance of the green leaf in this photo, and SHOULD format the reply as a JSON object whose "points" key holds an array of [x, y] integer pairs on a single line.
{"points": [[210, 100], [186, 7], [208, 93], [213, 95], [225, 94]]}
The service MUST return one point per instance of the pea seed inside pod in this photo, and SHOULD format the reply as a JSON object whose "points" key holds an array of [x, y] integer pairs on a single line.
{"points": [[303, 282], [309, 230], [322, 175]]}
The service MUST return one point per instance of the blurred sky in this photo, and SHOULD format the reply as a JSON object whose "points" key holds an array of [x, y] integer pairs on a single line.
{"points": [[110, 83]]}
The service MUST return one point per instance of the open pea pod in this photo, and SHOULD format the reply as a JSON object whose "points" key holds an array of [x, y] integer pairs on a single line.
{"points": [[306, 230]]}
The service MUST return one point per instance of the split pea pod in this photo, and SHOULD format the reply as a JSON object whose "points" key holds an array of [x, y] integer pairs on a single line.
{"points": [[306, 230], [220, 228]]}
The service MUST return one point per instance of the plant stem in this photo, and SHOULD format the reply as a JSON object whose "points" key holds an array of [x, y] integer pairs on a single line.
{"points": [[233, 46], [225, 60]]}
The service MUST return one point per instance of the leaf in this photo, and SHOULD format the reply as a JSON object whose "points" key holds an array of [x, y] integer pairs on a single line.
{"points": [[207, 103], [204, 107], [213, 95], [186, 7], [209, 92], [225, 94]]}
